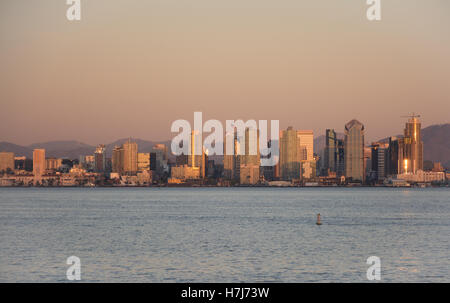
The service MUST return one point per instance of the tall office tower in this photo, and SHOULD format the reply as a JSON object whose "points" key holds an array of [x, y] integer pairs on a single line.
{"points": [[306, 144], [157, 160], [268, 172], [306, 148], [228, 160], [354, 150], [340, 158], [251, 154], [6, 161], [199, 161], [143, 161], [117, 159], [204, 164], [289, 167], [193, 159], [367, 160], [164, 149], [249, 162], [38, 163], [330, 156], [379, 159], [130, 150], [231, 163], [393, 153], [413, 146], [100, 158]]}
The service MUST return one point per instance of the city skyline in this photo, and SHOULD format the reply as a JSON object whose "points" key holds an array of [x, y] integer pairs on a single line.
{"points": [[340, 162], [309, 64]]}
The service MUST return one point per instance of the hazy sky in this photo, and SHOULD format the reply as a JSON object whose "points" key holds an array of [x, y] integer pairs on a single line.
{"points": [[131, 67]]}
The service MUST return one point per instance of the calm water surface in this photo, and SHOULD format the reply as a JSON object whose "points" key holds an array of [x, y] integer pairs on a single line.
{"points": [[224, 234]]}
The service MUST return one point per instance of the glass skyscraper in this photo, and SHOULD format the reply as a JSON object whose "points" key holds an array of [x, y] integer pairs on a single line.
{"points": [[354, 150]]}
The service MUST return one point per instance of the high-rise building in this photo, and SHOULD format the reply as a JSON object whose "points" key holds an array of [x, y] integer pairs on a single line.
{"points": [[117, 159], [6, 161], [249, 162], [195, 160], [340, 158], [354, 150], [164, 149], [330, 155], [406, 154], [306, 144], [130, 154], [393, 153], [39, 164], [413, 146], [100, 158], [230, 161], [379, 159], [196, 164], [306, 148], [143, 161], [251, 153], [289, 163]]}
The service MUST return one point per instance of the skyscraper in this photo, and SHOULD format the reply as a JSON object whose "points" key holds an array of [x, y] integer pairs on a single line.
{"points": [[340, 158], [251, 159], [305, 140], [195, 160], [406, 154], [100, 158], [164, 149], [379, 159], [289, 155], [306, 144], [195, 168], [354, 150], [130, 150], [229, 160], [143, 161], [413, 146], [38, 163], [117, 159], [330, 156]]}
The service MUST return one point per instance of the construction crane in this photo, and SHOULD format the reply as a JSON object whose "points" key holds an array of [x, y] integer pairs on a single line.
{"points": [[413, 116]]}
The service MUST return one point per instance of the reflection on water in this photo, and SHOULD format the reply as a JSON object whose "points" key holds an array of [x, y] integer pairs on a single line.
{"points": [[224, 234]]}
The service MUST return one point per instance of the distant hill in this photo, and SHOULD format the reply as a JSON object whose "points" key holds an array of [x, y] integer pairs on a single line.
{"points": [[16, 149], [73, 149], [436, 141], [64, 149]]}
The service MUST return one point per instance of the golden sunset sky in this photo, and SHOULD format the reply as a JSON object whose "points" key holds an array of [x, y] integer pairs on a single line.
{"points": [[132, 67]]}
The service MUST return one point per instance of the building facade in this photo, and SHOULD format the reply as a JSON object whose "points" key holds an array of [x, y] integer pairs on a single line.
{"points": [[6, 161], [39, 164], [354, 151]]}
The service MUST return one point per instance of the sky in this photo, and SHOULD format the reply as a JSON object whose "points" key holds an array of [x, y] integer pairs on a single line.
{"points": [[129, 68]]}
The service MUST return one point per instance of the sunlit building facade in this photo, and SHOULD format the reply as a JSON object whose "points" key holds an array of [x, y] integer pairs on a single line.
{"points": [[354, 151]]}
